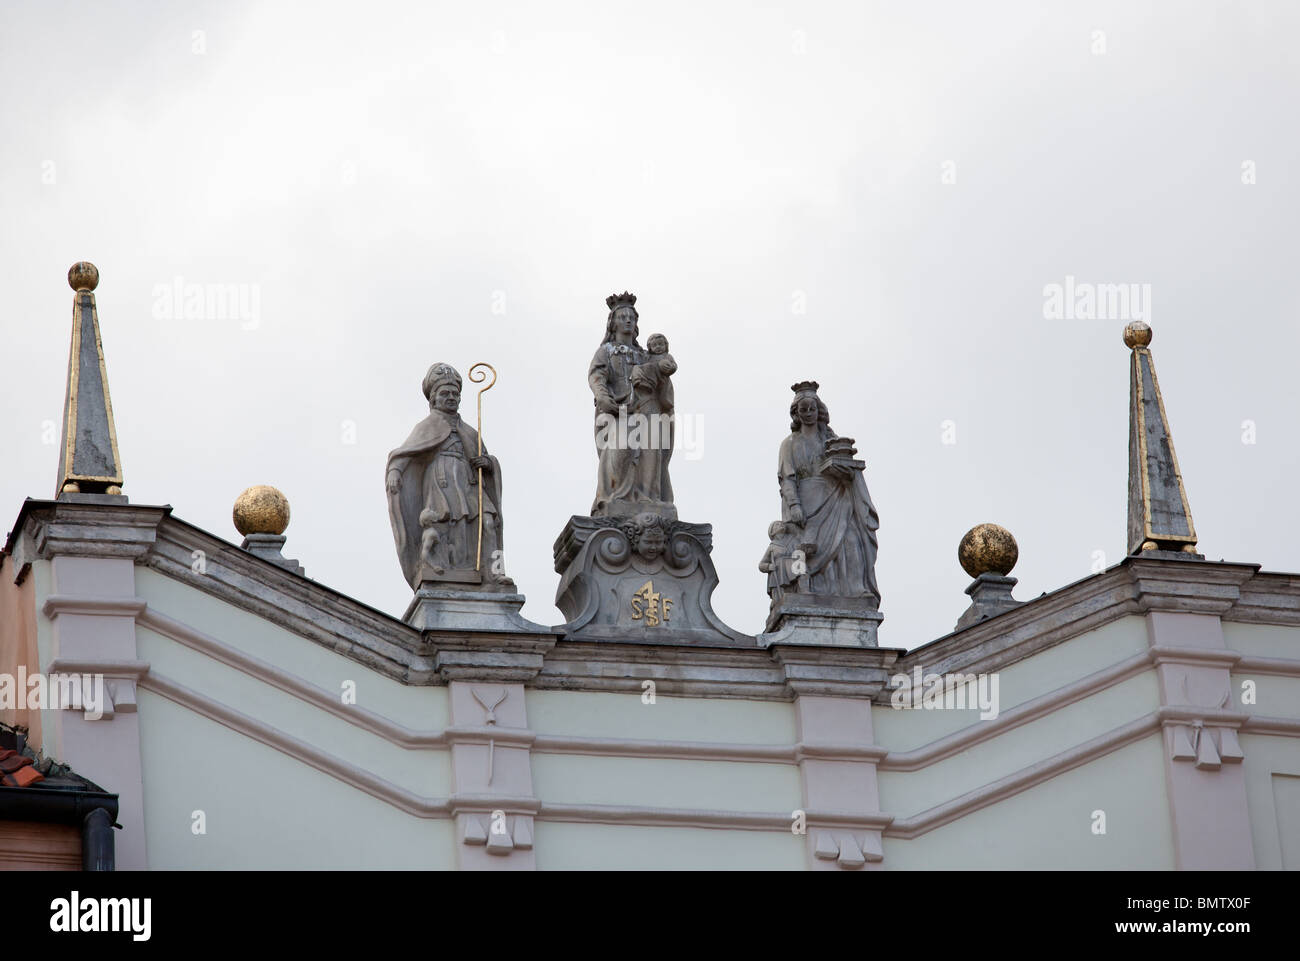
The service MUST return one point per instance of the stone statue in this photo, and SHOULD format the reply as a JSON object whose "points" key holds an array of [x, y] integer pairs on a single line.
{"points": [[433, 496], [828, 537], [633, 396], [785, 562], [648, 534]]}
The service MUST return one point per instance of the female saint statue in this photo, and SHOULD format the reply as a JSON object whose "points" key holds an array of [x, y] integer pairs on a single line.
{"points": [[825, 505]]}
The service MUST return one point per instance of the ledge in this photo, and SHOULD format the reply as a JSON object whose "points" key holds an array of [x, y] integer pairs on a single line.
{"points": [[1135, 586], [153, 537]]}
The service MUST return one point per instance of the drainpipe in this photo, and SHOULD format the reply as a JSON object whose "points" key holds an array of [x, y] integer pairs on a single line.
{"points": [[97, 841]]}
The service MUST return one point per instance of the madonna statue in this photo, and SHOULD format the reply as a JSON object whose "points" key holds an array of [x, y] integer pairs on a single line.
{"points": [[633, 394]]}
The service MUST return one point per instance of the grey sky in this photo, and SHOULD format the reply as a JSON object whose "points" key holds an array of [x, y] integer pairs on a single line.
{"points": [[398, 184]]}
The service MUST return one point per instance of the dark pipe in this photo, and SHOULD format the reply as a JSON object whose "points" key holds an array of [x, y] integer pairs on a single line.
{"points": [[56, 806], [97, 841], [93, 812]]}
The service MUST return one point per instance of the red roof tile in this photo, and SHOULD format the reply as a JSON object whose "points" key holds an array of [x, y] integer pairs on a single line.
{"points": [[16, 770]]}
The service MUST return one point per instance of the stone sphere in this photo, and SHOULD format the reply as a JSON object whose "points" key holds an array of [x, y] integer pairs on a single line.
{"points": [[988, 549], [261, 510], [1137, 334], [83, 275]]}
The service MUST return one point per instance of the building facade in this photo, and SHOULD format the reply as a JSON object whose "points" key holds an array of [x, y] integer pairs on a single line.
{"points": [[1145, 717]]}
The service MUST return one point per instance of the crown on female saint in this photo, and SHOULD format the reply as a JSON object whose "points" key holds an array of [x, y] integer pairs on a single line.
{"points": [[805, 387], [615, 301]]}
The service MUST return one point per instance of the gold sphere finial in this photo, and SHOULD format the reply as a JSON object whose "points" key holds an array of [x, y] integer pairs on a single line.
{"points": [[1137, 334], [83, 275], [988, 549], [261, 510]]}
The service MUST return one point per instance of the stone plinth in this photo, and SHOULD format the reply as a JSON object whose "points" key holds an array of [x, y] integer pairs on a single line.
{"points": [[268, 547], [627, 510], [111, 500], [439, 606], [990, 595], [823, 621], [640, 579]]}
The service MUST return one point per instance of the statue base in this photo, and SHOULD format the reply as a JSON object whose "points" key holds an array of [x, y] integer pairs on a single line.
{"points": [[646, 584], [990, 595], [630, 509], [267, 547], [823, 621], [471, 579], [440, 606]]}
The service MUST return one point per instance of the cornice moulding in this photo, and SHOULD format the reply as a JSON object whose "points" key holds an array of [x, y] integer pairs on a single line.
{"points": [[56, 604], [151, 536], [108, 668], [1278, 666], [905, 828], [1194, 656]]}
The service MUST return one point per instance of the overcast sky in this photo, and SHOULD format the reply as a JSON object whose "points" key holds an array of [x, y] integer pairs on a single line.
{"points": [[871, 195]]}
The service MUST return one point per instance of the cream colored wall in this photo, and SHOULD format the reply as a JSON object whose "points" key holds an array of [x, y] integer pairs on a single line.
{"points": [[263, 810], [264, 807], [657, 782], [421, 708], [717, 720], [575, 847], [770, 788], [1272, 769], [1272, 764], [424, 772], [1275, 696], [1049, 826], [1023, 681], [1262, 640], [906, 793]]}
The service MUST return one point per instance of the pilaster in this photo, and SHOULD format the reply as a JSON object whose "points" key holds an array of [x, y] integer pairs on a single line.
{"points": [[92, 609], [840, 793], [493, 803], [1203, 756]]}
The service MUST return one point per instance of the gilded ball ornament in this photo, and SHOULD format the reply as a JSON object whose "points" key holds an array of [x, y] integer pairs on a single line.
{"points": [[83, 275], [261, 510], [988, 549], [1137, 334]]}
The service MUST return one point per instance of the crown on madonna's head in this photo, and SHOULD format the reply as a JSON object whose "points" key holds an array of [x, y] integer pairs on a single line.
{"points": [[806, 387], [615, 301]]}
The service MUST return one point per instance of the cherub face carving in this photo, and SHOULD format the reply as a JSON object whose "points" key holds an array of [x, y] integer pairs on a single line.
{"points": [[651, 543]]}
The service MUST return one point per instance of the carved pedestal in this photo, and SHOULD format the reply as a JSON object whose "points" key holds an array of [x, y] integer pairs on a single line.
{"points": [[466, 604], [990, 595], [639, 580], [268, 547], [823, 620]]}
